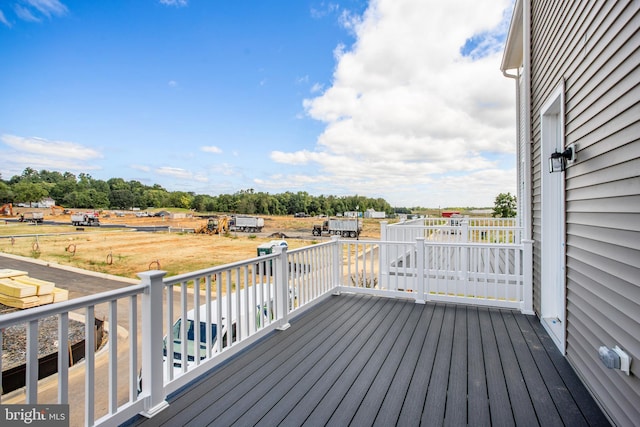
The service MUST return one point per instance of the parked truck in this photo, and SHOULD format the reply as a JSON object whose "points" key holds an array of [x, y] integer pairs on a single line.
{"points": [[88, 219], [339, 227], [34, 217], [249, 224]]}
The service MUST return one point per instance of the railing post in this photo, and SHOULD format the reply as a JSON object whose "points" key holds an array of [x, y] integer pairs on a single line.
{"points": [[464, 257], [152, 312], [527, 277], [31, 375], [464, 225], [282, 287], [336, 264], [383, 261], [420, 299]]}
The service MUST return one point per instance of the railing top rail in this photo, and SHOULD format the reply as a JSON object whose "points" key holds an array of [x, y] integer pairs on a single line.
{"points": [[220, 268], [432, 243], [217, 269], [43, 311], [418, 221], [445, 226], [306, 248]]}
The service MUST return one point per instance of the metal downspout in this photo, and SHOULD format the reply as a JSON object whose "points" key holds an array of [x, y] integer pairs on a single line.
{"points": [[526, 41], [519, 195], [527, 214]]}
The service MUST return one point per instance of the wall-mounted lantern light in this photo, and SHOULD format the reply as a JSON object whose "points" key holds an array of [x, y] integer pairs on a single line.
{"points": [[559, 161]]}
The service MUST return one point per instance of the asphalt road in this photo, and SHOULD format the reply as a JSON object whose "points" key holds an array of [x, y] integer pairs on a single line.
{"points": [[78, 283]]}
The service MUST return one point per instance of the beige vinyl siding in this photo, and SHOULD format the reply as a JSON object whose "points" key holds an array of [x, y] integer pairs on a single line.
{"points": [[594, 47]]}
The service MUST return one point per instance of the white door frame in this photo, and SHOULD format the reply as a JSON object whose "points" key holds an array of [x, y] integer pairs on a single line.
{"points": [[552, 245]]}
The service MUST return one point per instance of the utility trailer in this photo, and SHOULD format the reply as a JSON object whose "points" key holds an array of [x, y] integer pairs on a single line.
{"points": [[339, 227]]}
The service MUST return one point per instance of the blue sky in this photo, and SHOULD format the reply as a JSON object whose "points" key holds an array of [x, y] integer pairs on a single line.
{"points": [[400, 99]]}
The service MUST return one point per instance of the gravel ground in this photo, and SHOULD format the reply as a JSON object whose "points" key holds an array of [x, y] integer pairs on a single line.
{"points": [[14, 339]]}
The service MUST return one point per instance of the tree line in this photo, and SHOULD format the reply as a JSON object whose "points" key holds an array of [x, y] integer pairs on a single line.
{"points": [[84, 192]]}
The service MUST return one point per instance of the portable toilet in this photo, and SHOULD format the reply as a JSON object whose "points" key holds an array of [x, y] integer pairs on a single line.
{"points": [[267, 249]]}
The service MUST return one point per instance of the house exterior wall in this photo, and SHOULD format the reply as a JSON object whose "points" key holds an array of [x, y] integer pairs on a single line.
{"points": [[594, 48]]}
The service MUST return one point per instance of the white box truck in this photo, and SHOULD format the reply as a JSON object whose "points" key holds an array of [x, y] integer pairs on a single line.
{"points": [[85, 219], [339, 227], [249, 224]]}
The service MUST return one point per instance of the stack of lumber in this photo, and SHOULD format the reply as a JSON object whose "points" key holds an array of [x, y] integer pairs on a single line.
{"points": [[19, 290]]}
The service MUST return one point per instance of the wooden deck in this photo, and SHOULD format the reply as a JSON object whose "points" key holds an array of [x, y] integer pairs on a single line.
{"points": [[362, 360]]}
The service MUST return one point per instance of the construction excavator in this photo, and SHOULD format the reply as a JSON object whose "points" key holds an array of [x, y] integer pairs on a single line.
{"points": [[58, 210], [6, 209], [218, 225]]}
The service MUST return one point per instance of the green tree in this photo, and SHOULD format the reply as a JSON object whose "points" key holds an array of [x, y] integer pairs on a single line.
{"points": [[29, 192], [504, 206], [98, 199], [121, 199], [156, 197], [6, 195], [180, 199], [62, 189]]}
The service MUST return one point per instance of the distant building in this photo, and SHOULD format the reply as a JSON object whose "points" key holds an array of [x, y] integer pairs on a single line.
{"points": [[372, 213], [47, 202]]}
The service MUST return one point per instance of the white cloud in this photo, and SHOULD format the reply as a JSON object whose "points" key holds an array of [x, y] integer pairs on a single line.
{"points": [[179, 173], [48, 7], [211, 149], [141, 168], [18, 162], [176, 3], [40, 153], [48, 148], [295, 158], [25, 14], [323, 9], [408, 104], [3, 19], [350, 20], [34, 10], [225, 169]]}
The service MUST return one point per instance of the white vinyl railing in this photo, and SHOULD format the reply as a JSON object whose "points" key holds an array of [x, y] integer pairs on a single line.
{"points": [[245, 301], [473, 273], [458, 229]]}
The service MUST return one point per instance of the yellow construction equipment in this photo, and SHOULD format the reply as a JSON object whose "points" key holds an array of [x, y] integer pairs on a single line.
{"points": [[218, 225], [60, 210], [6, 209]]}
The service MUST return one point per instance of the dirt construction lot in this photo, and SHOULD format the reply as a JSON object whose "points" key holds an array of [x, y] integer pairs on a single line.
{"points": [[117, 248]]}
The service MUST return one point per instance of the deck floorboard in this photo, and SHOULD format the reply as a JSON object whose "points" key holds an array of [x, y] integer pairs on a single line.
{"points": [[365, 360]]}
